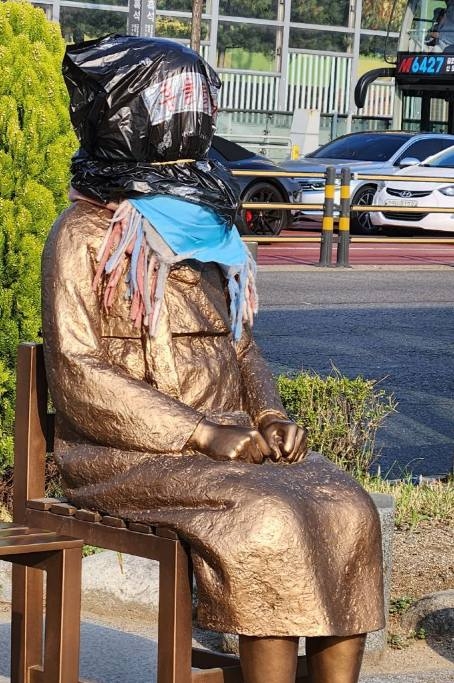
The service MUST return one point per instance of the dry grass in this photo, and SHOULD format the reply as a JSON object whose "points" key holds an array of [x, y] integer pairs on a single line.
{"points": [[4, 515], [416, 503]]}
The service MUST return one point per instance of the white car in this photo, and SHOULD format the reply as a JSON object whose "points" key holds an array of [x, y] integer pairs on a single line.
{"points": [[367, 152], [424, 194]]}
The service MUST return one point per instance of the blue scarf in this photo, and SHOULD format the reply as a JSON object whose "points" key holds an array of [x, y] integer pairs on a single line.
{"points": [[159, 231]]}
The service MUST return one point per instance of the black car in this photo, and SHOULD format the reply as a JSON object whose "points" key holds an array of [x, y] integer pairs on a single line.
{"points": [[257, 189]]}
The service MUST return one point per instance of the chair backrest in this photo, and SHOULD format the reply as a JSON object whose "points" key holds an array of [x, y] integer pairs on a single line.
{"points": [[33, 428], [34, 435]]}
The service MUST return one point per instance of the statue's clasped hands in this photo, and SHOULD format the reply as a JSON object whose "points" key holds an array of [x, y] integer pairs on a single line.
{"points": [[275, 437]]}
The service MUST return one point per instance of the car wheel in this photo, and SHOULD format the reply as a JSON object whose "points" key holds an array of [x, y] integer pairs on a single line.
{"points": [[263, 221], [360, 222]]}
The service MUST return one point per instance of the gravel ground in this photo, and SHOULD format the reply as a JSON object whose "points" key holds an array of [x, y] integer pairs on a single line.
{"points": [[423, 560]]}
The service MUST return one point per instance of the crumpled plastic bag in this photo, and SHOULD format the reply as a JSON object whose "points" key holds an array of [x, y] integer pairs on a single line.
{"points": [[140, 99], [204, 182]]}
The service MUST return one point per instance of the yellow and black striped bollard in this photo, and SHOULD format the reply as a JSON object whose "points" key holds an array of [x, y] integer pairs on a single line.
{"points": [[326, 243], [343, 243]]}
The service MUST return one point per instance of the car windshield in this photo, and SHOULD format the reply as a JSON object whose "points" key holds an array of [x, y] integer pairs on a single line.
{"points": [[444, 159], [364, 147]]}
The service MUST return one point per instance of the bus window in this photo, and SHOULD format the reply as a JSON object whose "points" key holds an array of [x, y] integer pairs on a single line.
{"points": [[441, 33], [432, 25], [424, 69]]}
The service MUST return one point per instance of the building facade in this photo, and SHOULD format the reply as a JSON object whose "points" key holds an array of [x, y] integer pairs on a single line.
{"points": [[272, 55]]}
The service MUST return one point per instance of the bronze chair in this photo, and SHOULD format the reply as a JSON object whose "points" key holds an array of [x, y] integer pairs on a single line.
{"points": [[178, 662]]}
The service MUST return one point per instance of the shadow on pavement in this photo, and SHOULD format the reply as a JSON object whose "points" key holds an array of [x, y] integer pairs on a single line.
{"points": [[107, 655]]}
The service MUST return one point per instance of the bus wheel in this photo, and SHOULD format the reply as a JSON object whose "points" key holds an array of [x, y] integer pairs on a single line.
{"points": [[361, 223]]}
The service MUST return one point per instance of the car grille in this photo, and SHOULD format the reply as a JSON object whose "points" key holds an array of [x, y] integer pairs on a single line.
{"points": [[401, 216], [408, 193]]}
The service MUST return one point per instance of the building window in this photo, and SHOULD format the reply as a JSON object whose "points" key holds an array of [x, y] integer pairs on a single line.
{"points": [[303, 39], [84, 24], [246, 46], [320, 12], [266, 9]]}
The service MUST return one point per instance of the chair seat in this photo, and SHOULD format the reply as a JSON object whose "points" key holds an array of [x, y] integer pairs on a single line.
{"points": [[19, 540]]}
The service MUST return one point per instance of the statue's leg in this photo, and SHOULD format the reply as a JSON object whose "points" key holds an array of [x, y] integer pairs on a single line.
{"points": [[333, 659], [268, 659]]}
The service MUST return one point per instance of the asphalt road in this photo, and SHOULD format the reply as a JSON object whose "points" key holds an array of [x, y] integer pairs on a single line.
{"points": [[387, 324]]}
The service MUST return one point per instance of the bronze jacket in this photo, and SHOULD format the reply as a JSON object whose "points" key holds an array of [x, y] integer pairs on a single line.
{"points": [[115, 385]]}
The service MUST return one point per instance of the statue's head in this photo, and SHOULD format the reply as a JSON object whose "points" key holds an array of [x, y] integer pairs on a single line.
{"points": [[141, 99]]}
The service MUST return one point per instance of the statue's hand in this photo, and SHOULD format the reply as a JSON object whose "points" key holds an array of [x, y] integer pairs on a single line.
{"points": [[229, 442], [286, 439]]}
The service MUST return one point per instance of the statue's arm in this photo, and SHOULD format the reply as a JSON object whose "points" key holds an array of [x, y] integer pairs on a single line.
{"points": [[260, 394], [99, 399]]}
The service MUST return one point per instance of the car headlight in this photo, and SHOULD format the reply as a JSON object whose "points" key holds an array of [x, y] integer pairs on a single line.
{"points": [[448, 191], [316, 185], [312, 185]]}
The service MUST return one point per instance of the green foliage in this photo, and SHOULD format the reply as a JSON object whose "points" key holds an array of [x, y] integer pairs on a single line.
{"points": [[400, 641], [400, 605], [79, 24], [36, 142], [397, 641], [377, 16], [88, 550], [341, 415]]}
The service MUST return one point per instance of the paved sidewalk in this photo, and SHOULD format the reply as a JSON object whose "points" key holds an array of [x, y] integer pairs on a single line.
{"points": [[109, 655]]}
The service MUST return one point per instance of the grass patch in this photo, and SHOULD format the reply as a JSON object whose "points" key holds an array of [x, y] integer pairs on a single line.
{"points": [[416, 503], [368, 63], [399, 641]]}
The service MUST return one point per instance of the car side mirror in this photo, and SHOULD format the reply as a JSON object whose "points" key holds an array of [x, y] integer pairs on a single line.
{"points": [[409, 161]]}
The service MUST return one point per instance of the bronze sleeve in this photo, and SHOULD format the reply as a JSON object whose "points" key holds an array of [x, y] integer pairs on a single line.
{"points": [[98, 398], [260, 392]]}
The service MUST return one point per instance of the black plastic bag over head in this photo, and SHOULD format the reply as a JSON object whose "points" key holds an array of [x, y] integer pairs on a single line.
{"points": [[140, 99]]}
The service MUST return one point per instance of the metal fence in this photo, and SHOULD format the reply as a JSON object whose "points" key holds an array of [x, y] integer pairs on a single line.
{"points": [[345, 209], [313, 82]]}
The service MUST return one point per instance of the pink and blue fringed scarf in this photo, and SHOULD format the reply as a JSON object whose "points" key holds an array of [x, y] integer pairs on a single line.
{"points": [[158, 231]]}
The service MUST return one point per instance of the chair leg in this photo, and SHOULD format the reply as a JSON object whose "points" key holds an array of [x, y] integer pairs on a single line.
{"points": [[62, 638], [26, 621], [175, 618]]}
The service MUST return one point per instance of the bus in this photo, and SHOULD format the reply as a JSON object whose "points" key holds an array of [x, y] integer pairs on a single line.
{"points": [[423, 70]]}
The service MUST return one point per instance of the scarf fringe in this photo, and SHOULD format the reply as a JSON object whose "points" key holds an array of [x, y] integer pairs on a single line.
{"points": [[130, 249]]}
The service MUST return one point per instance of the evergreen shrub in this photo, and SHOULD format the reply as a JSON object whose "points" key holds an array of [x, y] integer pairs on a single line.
{"points": [[341, 415], [36, 142]]}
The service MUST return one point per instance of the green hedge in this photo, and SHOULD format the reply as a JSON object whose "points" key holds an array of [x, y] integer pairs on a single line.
{"points": [[36, 143], [341, 415]]}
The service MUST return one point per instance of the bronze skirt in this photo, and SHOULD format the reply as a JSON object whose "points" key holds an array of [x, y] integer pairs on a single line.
{"points": [[278, 549]]}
